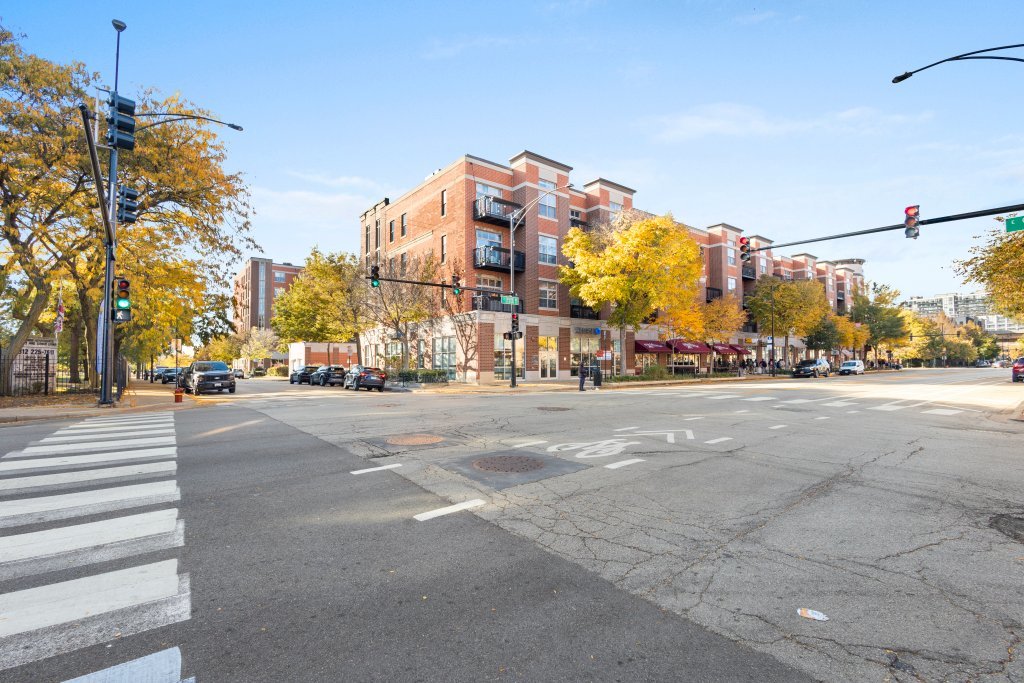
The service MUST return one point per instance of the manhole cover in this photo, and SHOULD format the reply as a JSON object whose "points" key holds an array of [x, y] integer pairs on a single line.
{"points": [[508, 463], [553, 409], [413, 439], [1010, 525]]}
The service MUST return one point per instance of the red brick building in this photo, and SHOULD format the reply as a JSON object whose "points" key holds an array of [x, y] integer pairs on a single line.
{"points": [[461, 214], [256, 286]]}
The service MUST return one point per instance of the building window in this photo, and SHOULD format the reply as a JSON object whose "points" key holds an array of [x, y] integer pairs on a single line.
{"points": [[403, 263], [548, 201], [367, 240], [764, 266], [615, 208], [444, 202], [732, 284], [503, 358], [421, 353], [278, 291], [488, 282], [391, 231], [548, 250], [443, 357], [486, 238], [391, 266], [548, 295], [444, 248], [278, 276], [574, 214], [376, 230], [732, 257], [404, 225], [483, 191]]}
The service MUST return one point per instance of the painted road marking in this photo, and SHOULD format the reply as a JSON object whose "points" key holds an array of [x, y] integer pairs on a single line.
{"points": [[85, 459], [941, 411], [723, 397], [778, 426], [688, 419], [116, 435], [160, 667], [744, 411], [887, 407], [377, 469], [840, 404], [82, 536], [424, 516], [59, 603], [852, 411], [760, 398], [72, 448], [624, 429], [93, 429], [133, 422], [528, 443], [822, 417], [83, 477], [62, 506], [623, 463], [802, 400], [720, 439]]}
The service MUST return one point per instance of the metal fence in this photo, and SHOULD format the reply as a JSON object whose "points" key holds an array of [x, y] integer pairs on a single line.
{"points": [[46, 374]]}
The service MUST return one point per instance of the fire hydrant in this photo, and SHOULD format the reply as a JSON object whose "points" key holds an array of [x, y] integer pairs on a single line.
{"points": [[178, 394]]}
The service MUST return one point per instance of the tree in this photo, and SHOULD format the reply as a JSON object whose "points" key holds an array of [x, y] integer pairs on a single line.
{"points": [[884, 319], [719, 319], [998, 265], [825, 335], [638, 264], [226, 348], [401, 307], [258, 344]]}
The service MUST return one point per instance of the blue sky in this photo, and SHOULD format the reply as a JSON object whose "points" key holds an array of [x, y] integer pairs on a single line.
{"points": [[777, 118]]}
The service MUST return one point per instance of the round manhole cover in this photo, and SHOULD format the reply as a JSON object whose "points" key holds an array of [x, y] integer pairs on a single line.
{"points": [[553, 409], [508, 463], [413, 439]]}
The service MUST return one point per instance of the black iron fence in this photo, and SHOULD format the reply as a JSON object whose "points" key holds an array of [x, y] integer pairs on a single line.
{"points": [[43, 372]]}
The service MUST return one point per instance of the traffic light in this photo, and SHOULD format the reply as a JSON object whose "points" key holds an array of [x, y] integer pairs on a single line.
{"points": [[744, 248], [515, 322], [127, 204], [121, 309], [375, 276], [121, 131], [913, 214], [456, 285]]}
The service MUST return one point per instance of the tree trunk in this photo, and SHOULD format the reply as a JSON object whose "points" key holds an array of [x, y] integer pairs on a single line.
{"points": [[89, 321], [74, 344], [39, 301], [622, 351]]}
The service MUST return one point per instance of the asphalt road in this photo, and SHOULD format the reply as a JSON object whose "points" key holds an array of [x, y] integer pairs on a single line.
{"points": [[726, 508]]}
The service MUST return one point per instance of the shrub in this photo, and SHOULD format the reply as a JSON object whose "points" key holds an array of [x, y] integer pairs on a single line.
{"points": [[655, 372], [278, 371], [423, 376]]}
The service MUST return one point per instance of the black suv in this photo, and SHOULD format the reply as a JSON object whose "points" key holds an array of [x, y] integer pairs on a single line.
{"points": [[328, 374], [208, 375], [814, 367], [303, 375]]}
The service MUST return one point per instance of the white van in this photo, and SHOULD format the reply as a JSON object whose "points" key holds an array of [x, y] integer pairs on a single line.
{"points": [[852, 367]]}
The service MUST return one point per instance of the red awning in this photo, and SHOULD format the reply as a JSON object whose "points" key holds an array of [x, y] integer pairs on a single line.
{"points": [[681, 346], [740, 350], [724, 349], [650, 346]]}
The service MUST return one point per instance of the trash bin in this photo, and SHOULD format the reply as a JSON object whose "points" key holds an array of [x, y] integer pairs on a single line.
{"points": [[597, 376]]}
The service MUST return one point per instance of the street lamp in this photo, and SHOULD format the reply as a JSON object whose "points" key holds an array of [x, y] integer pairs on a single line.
{"points": [[514, 219], [182, 116], [967, 55]]}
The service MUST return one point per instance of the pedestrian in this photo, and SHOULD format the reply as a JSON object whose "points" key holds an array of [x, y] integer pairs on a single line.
{"points": [[583, 375], [764, 366]]}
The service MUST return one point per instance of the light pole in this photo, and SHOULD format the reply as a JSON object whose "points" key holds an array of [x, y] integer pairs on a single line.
{"points": [[958, 58], [772, 291], [514, 219]]}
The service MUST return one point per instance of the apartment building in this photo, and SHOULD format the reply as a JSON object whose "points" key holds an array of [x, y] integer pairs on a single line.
{"points": [[461, 214], [256, 286], [974, 306]]}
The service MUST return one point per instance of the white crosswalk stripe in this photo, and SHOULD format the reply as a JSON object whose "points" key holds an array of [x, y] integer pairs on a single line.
{"points": [[120, 473]]}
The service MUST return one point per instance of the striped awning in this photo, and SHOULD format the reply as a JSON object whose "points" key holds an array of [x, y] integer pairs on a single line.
{"points": [[725, 349], [650, 346], [681, 346], [740, 350]]}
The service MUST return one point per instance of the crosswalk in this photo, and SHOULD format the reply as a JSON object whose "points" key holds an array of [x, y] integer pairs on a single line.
{"points": [[925, 407], [100, 491]]}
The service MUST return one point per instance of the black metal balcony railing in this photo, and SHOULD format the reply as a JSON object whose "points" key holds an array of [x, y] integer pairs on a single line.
{"points": [[492, 302], [497, 258], [578, 223], [841, 296], [585, 312], [749, 273], [713, 293], [494, 210]]}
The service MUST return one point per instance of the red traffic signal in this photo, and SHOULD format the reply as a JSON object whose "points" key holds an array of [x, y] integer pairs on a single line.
{"points": [[912, 216], [744, 248]]}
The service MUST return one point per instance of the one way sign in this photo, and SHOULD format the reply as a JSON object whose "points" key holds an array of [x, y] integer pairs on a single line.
{"points": [[122, 316]]}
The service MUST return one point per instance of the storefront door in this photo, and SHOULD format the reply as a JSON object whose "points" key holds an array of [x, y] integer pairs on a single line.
{"points": [[548, 352]]}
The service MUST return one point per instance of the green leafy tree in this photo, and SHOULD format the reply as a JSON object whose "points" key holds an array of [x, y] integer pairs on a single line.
{"points": [[824, 335], [638, 264], [400, 307], [998, 265], [878, 310], [258, 345]]}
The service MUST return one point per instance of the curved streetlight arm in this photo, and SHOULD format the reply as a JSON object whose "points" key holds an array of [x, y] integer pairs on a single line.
{"points": [[180, 116], [967, 55], [520, 214]]}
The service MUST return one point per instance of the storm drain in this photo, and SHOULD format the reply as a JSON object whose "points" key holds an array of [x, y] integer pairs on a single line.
{"points": [[1011, 525], [413, 439], [553, 409], [508, 463]]}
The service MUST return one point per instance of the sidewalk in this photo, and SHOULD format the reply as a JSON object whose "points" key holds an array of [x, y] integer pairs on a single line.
{"points": [[140, 396], [570, 385]]}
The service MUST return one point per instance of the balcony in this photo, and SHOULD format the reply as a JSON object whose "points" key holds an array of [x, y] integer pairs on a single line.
{"points": [[713, 293], [578, 223], [497, 258], [585, 312], [492, 302], [749, 273], [494, 210], [841, 295]]}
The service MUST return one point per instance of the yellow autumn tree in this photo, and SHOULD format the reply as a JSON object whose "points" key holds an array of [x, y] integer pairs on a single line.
{"points": [[638, 263], [720, 318]]}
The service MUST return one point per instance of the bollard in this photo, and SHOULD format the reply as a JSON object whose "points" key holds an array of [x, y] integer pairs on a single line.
{"points": [[179, 394]]}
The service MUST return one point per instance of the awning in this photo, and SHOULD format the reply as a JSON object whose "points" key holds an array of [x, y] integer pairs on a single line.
{"points": [[650, 346], [681, 346], [724, 350], [740, 350], [845, 353]]}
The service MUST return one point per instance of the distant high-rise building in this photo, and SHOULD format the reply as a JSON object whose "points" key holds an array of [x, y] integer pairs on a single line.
{"points": [[257, 285], [975, 306]]}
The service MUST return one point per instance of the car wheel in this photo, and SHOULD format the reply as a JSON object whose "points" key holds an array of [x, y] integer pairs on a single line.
{"points": [[195, 390], [381, 388], [323, 381], [355, 385], [815, 375], [291, 380]]}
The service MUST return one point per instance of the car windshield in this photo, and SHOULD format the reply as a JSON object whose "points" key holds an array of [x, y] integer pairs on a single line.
{"points": [[807, 363], [850, 364], [209, 366]]}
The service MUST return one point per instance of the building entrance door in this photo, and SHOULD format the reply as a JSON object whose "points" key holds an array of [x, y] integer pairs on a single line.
{"points": [[548, 353]]}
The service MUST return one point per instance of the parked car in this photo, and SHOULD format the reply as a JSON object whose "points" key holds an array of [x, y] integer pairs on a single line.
{"points": [[258, 372], [1017, 374], [813, 367], [239, 373], [328, 374], [360, 376], [852, 367], [157, 371], [171, 375], [208, 375], [982, 363], [302, 375]]}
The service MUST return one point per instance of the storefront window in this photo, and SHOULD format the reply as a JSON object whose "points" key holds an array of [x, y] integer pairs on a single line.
{"points": [[443, 357], [503, 358], [583, 348]]}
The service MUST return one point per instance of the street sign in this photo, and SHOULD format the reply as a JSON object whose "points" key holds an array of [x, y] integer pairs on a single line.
{"points": [[1014, 224], [508, 299], [122, 315]]}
